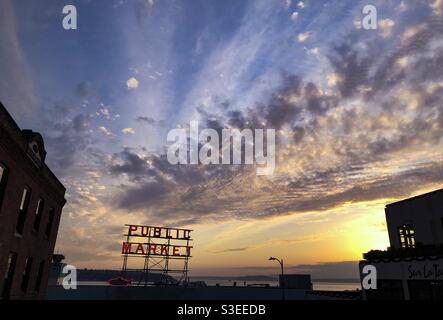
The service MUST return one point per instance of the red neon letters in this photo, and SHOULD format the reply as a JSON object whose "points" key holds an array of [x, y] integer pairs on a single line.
{"points": [[159, 232], [156, 249], [169, 248]]}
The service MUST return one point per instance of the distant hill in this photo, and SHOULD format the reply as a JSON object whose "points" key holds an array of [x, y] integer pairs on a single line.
{"points": [[135, 276], [105, 275], [271, 278]]}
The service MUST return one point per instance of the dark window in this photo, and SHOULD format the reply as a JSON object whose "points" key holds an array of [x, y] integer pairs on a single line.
{"points": [[38, 214], [407, 236], [50, 222], [26, 197], [441, 220], [9, 275], [38, 282], [3, 180], [26, 274]]}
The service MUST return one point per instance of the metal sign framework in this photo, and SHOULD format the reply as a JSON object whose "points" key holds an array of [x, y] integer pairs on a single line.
{"points": [[161, 247]]}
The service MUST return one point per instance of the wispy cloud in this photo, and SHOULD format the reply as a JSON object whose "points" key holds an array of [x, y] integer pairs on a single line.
{"points": [[16, 83], [105, 131]]}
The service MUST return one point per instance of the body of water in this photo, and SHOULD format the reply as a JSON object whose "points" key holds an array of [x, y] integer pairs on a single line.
{"points": [[335, 285]]}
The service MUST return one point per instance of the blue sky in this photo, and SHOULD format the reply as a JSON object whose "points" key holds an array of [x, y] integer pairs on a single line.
{"points": [[352, 108]]}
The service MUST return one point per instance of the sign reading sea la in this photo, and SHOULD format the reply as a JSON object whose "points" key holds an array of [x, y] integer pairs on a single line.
{"points": [[426, 271]]}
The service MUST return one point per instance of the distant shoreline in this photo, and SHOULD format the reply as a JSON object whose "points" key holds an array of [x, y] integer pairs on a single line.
{"points": [[104, 275], [273, 278]]}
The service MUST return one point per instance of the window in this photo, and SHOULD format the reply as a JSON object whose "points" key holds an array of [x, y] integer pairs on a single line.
{"points": [[38, 214], [9, 275], [407, 236], [38, 282], [26, 274], [50, 223], [3, 179], [26, 196], [441, 220]]}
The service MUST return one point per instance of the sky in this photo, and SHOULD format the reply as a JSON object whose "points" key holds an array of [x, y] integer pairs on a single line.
{"points": [[358, 115]]}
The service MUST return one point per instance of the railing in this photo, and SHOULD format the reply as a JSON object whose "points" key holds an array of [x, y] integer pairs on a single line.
{"points": [[419, 251]]}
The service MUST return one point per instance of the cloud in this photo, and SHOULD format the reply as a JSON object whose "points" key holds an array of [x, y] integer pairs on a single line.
{"points": [[437, 7], [403, 62], [132, 83], [385, 26], [81, 122], [313, 51], [337, 136], [133, 163], [287, 4], [143, 9], [332, 79], [348, 270], [105, 131], [147, 120], [105, 111], [67, 133], [128, 131], [302, 37], [17, 89], [329, 270], [232, 250], [150, 192]]}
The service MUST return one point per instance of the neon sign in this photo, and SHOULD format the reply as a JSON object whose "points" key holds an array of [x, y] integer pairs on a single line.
{"points": [[156, 249], [170, 248]]}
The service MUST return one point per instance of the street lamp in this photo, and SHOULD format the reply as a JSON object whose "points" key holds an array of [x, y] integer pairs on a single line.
{"points": [[282, 281]]}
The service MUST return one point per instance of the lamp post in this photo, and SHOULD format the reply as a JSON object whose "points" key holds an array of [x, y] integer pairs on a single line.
{"points": [[282, 282]]}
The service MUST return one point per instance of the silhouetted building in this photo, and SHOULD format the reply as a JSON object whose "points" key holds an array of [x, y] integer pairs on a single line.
{"points": [[412, 267], [31, 202], [296, 281]]}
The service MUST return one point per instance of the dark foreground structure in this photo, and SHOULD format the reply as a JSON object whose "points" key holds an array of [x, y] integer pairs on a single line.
{"points": [[171, 293], [107, 292], [31, 202], [412, 267]]}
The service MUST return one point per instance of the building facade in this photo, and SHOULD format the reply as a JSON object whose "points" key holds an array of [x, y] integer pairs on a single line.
{"points": [[412, 267], [31, 202]]}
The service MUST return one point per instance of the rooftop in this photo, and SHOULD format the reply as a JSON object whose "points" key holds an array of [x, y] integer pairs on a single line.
{"points": [[424, 195], [399, 254]]}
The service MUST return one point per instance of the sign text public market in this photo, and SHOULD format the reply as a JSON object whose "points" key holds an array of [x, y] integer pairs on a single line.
{"points": [[169, 248]]}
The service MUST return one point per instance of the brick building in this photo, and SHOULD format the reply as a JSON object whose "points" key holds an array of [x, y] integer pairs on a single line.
{"points": [[31, 202]]}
